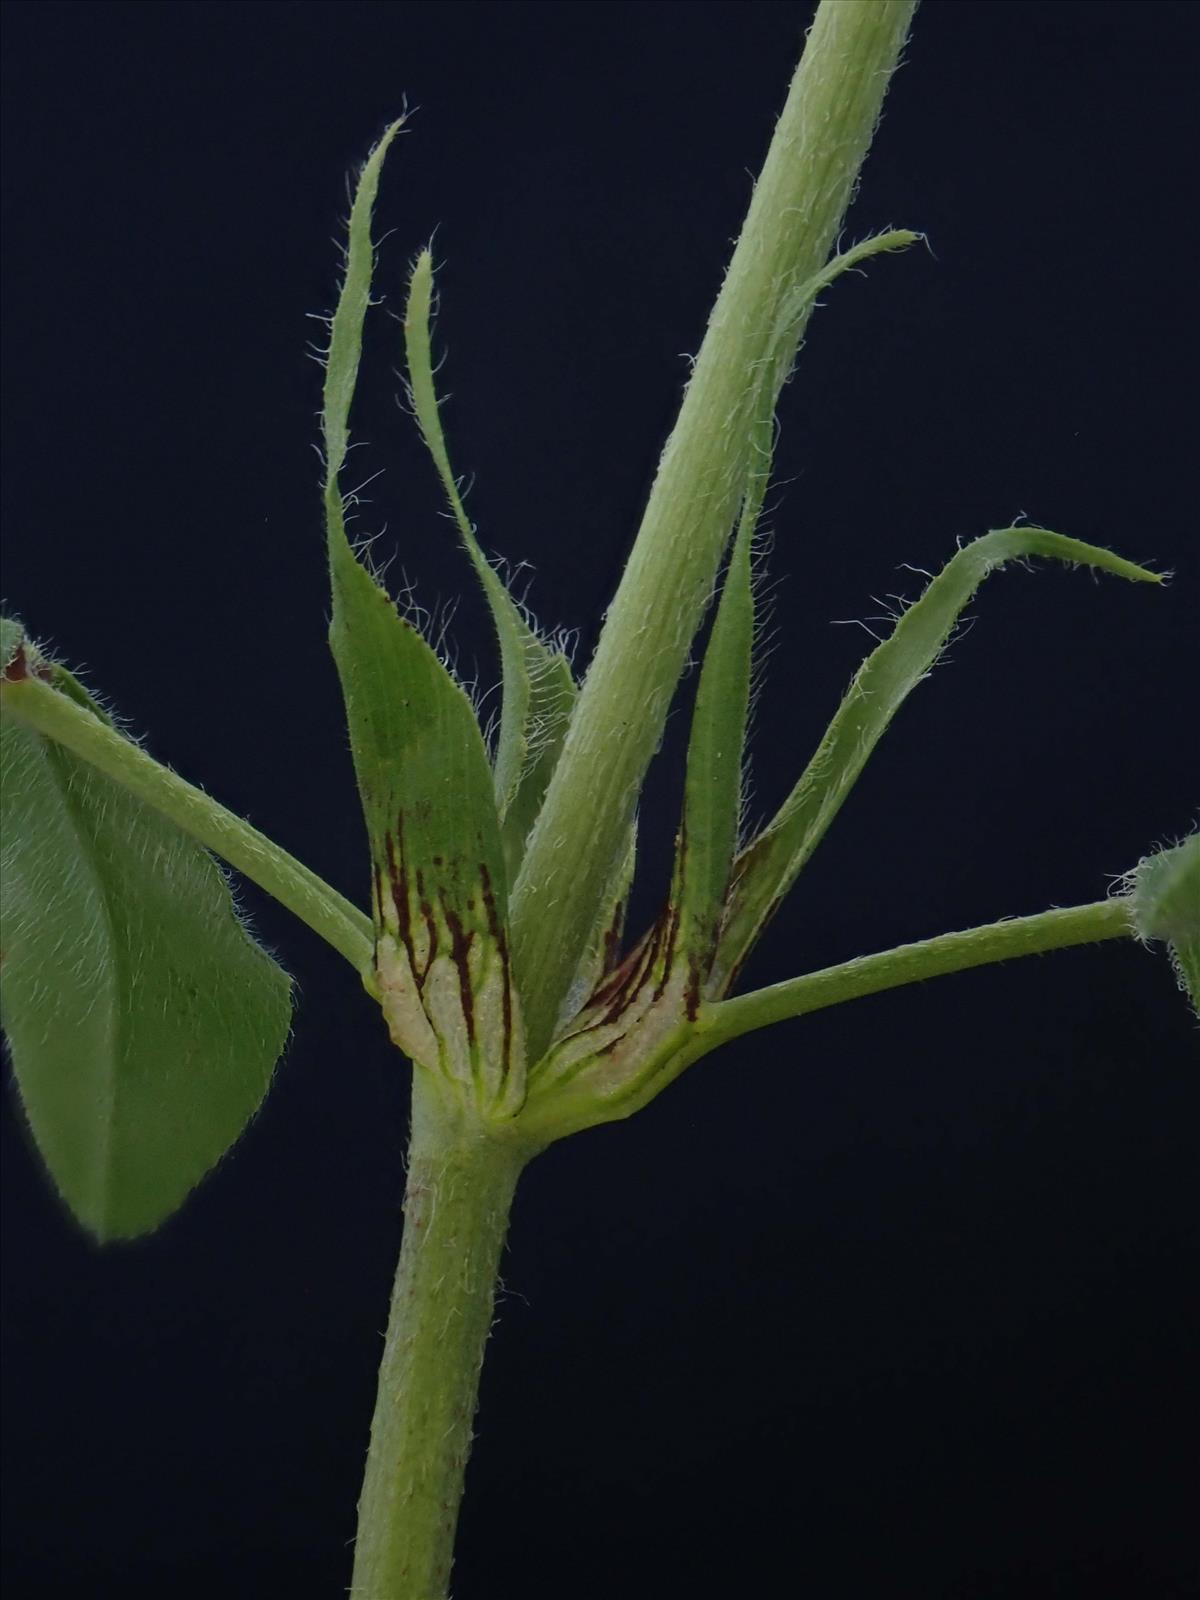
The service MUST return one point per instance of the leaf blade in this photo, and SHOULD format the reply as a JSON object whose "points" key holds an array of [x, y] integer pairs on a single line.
{"points": [[539, 690], [346, 325], [713, 784], [768, 866], [707, 840], [143, 1021], [552, 695], [439, 881]]}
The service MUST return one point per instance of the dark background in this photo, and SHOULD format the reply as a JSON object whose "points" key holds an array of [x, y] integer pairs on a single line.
{"points": [[897, 1300]]}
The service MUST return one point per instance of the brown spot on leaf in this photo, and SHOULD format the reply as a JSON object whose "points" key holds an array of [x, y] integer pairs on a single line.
{"points": [[496, 929], [431, 928], [691, 994], [398, 881], [17, 669], [672, 931], [460, 950], [636, 970]]}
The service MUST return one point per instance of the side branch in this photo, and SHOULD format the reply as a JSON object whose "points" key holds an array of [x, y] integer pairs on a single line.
{"points": [[910, 963]]}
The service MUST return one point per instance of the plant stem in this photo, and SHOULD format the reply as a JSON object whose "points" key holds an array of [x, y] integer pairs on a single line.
{"points": [[910, 963], [309, 897], [797, 208], [461, 1178]]}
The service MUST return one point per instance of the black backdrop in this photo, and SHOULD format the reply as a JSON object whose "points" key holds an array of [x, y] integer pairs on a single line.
{"points": [[899, 1300]]}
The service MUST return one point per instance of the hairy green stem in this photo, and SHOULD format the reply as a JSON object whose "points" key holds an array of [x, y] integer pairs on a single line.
{"points": [[799, 201], [325, 911], [910, 963], [461, 1178]]}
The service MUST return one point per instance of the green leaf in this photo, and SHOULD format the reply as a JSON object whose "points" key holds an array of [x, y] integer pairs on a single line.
{"points": [[552, 695], [642, 653], [144, 1022], [766, 869], [440, 898], [1165, 901], [538, 689], [713, 786], [346, 326], [603, 951], [797, 307], [440, 887], [713, 791]]}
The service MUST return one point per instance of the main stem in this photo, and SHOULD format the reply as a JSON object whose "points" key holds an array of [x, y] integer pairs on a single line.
{"points": [[461, 1179], [799, 201]]}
